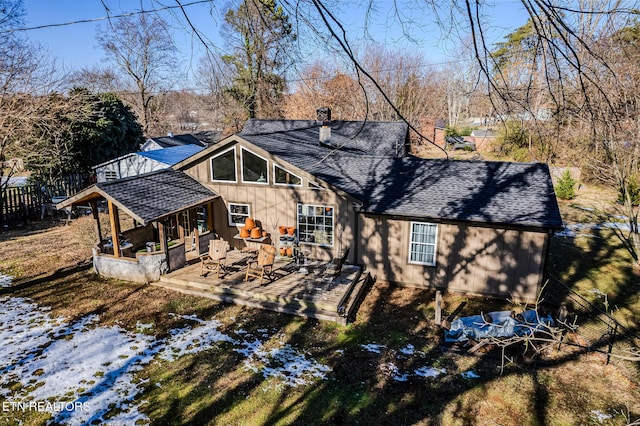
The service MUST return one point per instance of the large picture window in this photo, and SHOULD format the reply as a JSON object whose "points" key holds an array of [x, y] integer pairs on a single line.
{"points": [[285, 177], [254, 168], [223, 166], [238, 213], [422, 249], [315, 224]]}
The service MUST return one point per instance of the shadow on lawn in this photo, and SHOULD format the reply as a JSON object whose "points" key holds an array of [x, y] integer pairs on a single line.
{"points": [[199, 389], [360, 391]]}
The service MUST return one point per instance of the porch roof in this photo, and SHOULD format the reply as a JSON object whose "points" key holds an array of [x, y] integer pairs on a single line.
{"points": [[148, 197]]}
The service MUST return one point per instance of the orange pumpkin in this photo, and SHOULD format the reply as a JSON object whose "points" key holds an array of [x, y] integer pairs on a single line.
{"points": [[282, 229], [291, 230], [289, 251]]}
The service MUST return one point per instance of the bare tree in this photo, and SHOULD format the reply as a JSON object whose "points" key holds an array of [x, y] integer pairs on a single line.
{"points": [[142, 48], [25, 72]]}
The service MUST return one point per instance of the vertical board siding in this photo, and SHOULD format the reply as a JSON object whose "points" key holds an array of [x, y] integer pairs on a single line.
{"points": [[470, 259], [275, 205]]}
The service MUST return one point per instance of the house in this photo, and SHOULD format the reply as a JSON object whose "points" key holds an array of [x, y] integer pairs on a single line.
{"points": [[470, 226], [141, 162], [201, 139]]}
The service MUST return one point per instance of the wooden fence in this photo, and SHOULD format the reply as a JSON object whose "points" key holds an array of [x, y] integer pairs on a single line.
{"points": [[29, 202]]}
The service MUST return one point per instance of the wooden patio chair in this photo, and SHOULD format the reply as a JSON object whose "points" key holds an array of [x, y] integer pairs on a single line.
{"points": [[215, 259], [263, 264]]}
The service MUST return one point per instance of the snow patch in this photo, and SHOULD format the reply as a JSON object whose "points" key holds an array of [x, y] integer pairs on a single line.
{"points": [[600, 416], [282, 362], [5, 281], [372, 347], [470, 375], [84, 365]]}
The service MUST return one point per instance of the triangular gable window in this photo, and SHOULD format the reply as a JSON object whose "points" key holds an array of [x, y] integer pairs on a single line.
{"points": [[254, 168], [223, 166], [285, 177]]}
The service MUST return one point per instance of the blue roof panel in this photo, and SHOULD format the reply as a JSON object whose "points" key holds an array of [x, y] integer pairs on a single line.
{"points": [[172, 155]]}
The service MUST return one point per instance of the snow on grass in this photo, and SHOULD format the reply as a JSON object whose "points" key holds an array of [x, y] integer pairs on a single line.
{"points": [[585, 229], [470, 375], [189, 340], [282, 362], [372, 347], [5, 280], [87, 373], [407, 352], [600, 416]]}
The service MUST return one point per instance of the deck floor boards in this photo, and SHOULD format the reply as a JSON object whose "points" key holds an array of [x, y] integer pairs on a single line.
{"points": [[290, 291]]}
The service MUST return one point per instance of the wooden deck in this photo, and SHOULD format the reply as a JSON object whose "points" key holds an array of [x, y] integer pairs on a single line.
{"points": [[292, 292]]}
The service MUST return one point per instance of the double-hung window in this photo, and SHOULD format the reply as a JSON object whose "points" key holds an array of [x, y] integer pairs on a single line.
{"points": [[423, 241], [238, 213]]}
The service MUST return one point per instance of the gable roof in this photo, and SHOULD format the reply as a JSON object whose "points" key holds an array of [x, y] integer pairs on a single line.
{"points": [[514, 194], [176, 140], [202, 138], [148, 197], [171, 155], [379, 138], [365, 167]]}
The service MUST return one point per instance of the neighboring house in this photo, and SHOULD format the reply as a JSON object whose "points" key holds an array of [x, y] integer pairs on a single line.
{"points": [[471, 226], [484, 139], [141, 162], [201, 139]]}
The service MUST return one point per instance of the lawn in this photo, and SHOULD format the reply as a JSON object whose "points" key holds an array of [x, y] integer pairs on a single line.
{"points": [[136, 353]]}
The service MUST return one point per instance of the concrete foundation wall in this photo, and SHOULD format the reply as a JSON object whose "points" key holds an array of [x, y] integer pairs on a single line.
{"points": [[145, 268]]}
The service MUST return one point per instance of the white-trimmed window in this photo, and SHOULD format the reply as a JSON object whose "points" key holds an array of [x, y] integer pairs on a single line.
{"points": [[422, 245], [223, 166], [285, 177], [313, 185], [238, 213], [316, 224], [254, 168]]}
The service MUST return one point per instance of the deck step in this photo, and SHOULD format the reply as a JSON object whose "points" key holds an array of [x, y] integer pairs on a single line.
{"points": [[293, 307]]}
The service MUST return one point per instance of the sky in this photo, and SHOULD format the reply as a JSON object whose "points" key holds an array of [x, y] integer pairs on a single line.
{"points": [[74, 46]]}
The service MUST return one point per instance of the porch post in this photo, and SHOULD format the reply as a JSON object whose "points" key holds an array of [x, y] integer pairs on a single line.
{"points": [[114, 219], [180, 227], [196, 240], [96, 216], [162, 234], [210, 216]]}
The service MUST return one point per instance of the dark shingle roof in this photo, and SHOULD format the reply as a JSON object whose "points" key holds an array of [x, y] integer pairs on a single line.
{"points": [[155, 195], [178, 140], [380, 138], [519, 194]]}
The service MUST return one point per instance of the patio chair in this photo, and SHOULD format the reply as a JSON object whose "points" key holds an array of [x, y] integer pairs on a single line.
{"points": [[334, 267], [262, 265], [215, 259]]}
